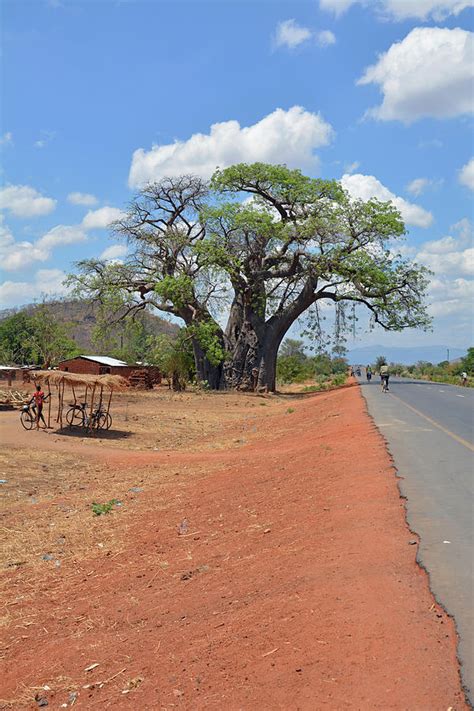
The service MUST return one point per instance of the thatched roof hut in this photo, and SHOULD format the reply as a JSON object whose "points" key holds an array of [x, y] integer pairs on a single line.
{"points": [[59, 377]]}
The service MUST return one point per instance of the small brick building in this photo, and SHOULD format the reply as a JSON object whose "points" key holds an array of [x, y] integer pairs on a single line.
{"points": [[139, 375], [96, 365]]}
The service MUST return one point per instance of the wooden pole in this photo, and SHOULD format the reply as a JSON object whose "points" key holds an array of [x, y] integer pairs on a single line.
{"points": [[58, 388], [110, 400], [62, 405], [92, 406], [49, 406]]}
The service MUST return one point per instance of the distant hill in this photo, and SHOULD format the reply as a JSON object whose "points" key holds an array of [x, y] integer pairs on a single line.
{"points": [[82, 316], [405, 355]]}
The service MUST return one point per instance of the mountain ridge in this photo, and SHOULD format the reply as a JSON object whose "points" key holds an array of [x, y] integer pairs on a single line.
{"points": [[81, 315]]}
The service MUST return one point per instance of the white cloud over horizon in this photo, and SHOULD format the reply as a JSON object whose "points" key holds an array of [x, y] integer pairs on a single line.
{"points": [[19, 255], [365, 187], [45, 282], [427, 74], [24, 201], [402, 9], [289, 137], [466, 174], [451, 288]]}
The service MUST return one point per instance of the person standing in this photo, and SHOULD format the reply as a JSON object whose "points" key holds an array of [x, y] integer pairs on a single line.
{"points": [[39, 398], [464, 378]]}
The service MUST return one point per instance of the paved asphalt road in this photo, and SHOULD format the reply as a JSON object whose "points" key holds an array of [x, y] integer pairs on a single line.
{"points": [[429, 430]]}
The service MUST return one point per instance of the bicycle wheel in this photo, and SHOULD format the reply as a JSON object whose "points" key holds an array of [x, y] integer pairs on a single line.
{"points": [[103, 421], [27, 420], [75, 416]]}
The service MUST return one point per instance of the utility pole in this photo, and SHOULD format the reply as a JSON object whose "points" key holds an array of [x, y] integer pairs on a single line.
{"points": [[448, 355]]}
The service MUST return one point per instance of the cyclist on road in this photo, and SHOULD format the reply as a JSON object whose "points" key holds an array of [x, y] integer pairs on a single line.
{"points": [[384, 376], [368, 373]]}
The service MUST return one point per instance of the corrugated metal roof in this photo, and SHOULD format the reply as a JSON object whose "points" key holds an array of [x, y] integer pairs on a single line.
{"points": [[104, 360]]}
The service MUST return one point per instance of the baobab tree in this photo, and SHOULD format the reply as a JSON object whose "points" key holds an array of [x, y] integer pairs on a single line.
{"points": [[255, 250]]}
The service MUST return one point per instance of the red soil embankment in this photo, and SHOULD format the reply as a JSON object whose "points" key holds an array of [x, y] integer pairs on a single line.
{"points": [[292, 586]]}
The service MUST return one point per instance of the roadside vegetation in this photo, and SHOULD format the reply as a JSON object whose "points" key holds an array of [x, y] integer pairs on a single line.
{"points": [[295, 366]]}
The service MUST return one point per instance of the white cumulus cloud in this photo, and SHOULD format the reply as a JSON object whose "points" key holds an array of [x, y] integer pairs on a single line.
{"points": [[19, 255], [466, 174], [101, 218], [114, 252], [325, 38], [46, 282], [428, 74], [290, 34], [24, 201], [419, 185], [365, 187], [453, 256], [289, 137], [402, 9], [61, 235], [82, 199]]}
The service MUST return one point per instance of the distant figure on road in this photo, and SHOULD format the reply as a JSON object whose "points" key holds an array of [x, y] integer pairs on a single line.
{"points": [[368, 373], [464, 378], [384, 376]]}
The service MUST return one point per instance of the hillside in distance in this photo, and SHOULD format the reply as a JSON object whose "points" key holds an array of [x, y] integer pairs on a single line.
{"points": [[82, 317], [405, 355]]}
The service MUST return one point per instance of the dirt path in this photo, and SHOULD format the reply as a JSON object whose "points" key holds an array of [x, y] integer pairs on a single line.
{"points": [[276, 575]]}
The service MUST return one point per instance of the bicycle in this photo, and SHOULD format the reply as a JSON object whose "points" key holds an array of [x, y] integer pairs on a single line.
{"points": [[385, 388], [77, 416], [28, 417]]}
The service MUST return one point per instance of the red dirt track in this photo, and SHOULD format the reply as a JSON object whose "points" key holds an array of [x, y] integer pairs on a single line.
{"points": [[292, 586]]}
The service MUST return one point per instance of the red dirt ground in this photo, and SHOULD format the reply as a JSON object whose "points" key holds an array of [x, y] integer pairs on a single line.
{"points": [[292, 583]]}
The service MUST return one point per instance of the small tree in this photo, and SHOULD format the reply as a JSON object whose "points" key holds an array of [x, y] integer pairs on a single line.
{"points": [[174, 358], [468, 361], [379, 362], [36, 338]]}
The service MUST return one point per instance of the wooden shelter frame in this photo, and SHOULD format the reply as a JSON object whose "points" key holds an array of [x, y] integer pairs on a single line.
{"points": [[93, 383]]}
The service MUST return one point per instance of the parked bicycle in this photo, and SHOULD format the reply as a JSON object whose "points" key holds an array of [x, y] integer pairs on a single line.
{"points": [[28, 416], [77, 416]]}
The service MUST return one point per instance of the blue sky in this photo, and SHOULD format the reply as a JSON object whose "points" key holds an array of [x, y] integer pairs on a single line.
{"points": [[378, 94]]}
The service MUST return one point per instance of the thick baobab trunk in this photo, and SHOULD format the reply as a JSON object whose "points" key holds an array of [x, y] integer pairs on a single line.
{"points": [[252, 345]]}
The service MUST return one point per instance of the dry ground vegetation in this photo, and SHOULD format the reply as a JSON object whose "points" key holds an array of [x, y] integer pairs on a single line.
{"points": [[249, 553]]}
